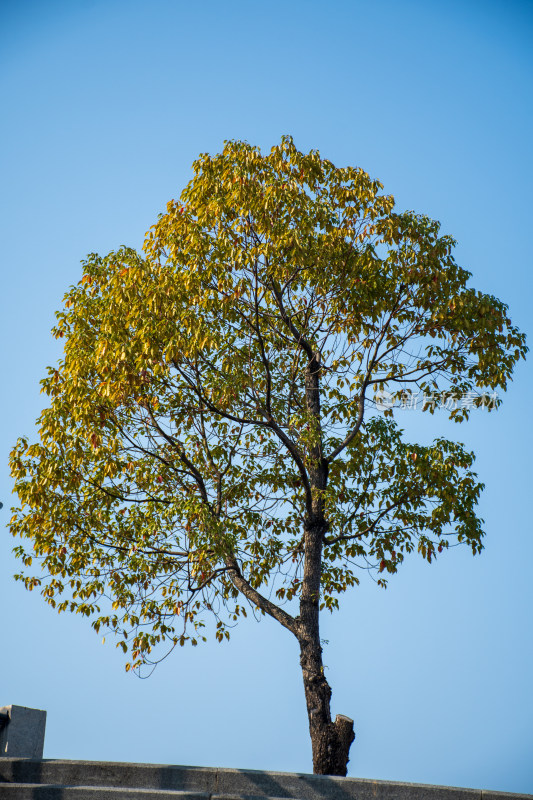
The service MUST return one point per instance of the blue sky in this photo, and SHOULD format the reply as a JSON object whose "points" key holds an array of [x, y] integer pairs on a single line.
{"points": [[105, 106]]}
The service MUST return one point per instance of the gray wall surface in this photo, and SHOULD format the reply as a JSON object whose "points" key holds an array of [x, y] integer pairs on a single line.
{"points": [[23, 733]]}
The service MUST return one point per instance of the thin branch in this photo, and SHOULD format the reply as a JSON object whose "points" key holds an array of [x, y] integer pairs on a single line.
{"points": [[370, 528]]}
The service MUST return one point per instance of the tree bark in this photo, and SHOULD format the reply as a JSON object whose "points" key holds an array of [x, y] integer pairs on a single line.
{"points": [[330, 740]]}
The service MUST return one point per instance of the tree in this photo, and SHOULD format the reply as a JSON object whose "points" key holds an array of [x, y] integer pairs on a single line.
{"points": [[213, 443]]}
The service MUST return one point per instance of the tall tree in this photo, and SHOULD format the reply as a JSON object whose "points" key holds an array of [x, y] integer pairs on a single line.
{"points": [[212, 441]]}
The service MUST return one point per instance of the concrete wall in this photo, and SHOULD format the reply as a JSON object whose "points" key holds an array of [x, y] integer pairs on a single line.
{"points": [[24, 779], [22, 733]]}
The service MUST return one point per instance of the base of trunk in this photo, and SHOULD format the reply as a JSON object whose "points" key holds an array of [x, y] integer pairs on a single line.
{"points": [[330, 754]]}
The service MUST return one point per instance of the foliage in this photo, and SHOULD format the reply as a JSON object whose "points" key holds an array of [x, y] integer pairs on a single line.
{"points": [[178, 460]]}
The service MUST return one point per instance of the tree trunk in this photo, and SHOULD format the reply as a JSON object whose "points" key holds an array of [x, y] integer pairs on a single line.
{"points": [[330, 740]]}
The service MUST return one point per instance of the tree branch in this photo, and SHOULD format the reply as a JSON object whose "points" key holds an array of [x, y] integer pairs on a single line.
{"points": [[258, 599]]}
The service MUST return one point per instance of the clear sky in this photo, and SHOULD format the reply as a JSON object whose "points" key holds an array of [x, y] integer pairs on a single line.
{"points": [[105, 104]]}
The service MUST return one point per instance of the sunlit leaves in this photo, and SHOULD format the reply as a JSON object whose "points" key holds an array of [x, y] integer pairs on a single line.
{"points": [[177, 451]]}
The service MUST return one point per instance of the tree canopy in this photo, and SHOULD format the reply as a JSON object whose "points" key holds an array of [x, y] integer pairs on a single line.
{"points": [[212, 442]]}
